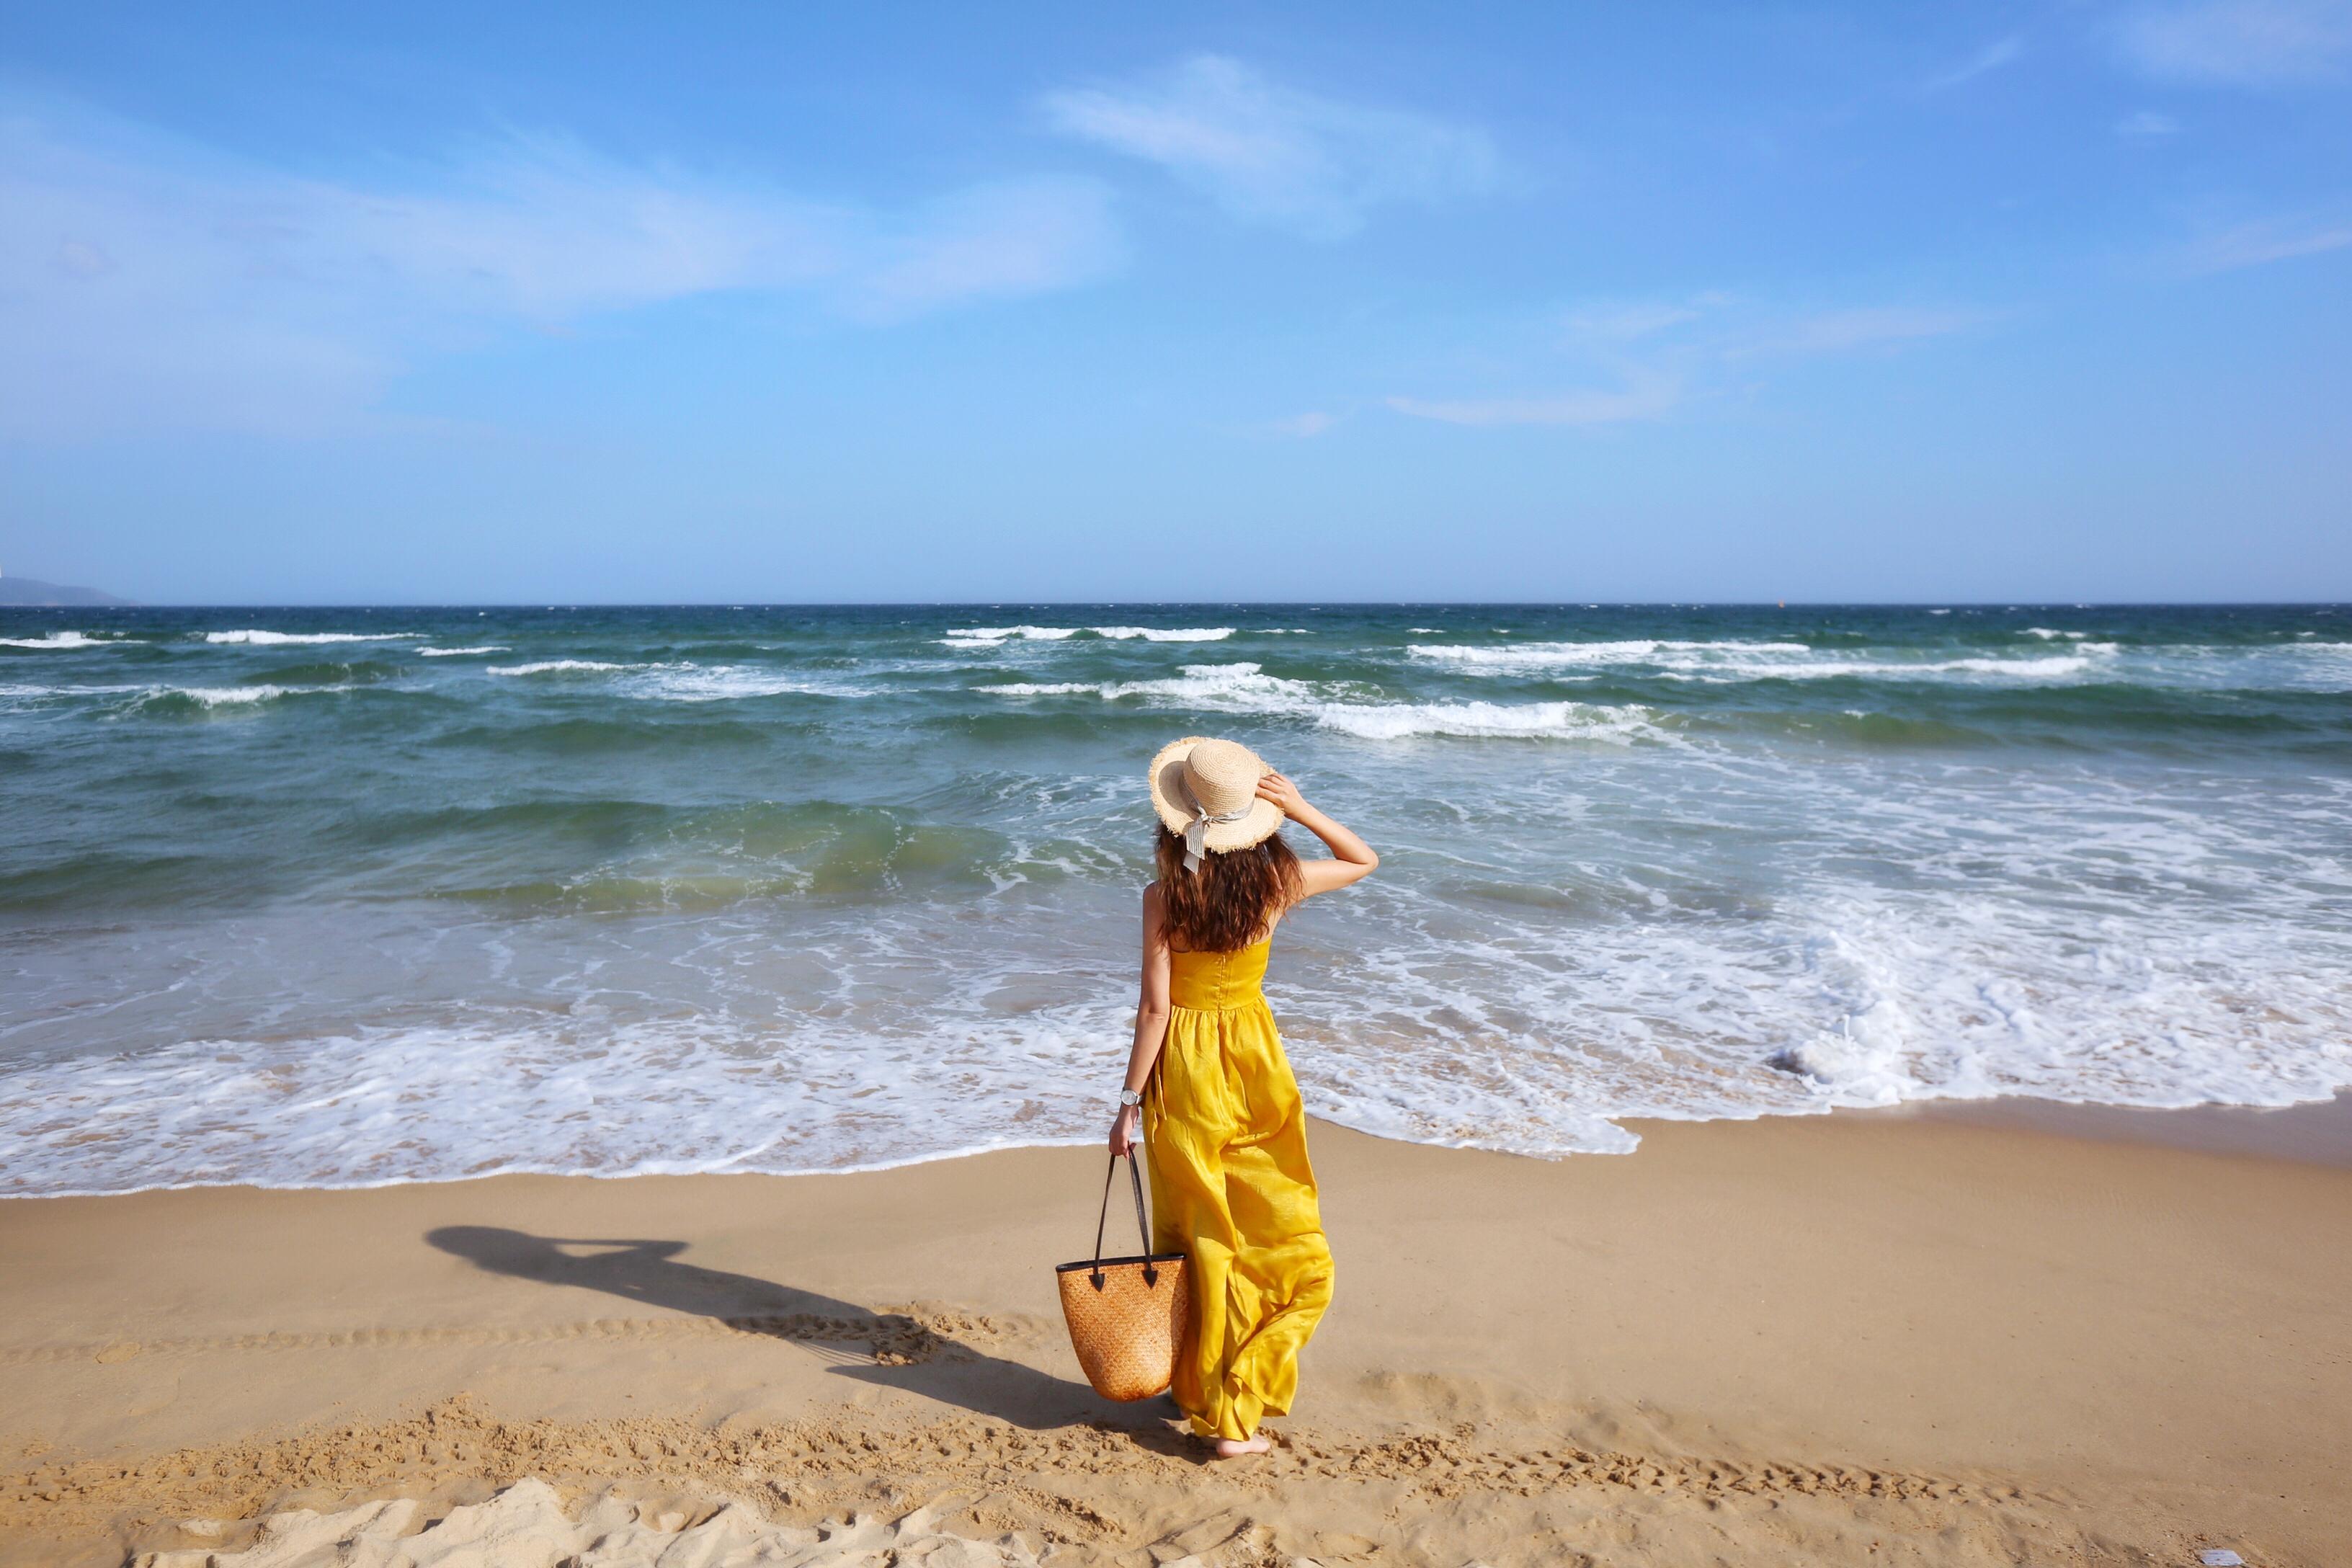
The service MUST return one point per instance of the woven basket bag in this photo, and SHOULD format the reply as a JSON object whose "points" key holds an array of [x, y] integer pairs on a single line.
{"points": [[1127, 1315]]}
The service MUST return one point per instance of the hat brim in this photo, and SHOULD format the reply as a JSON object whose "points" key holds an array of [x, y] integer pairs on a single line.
{"points": [[1168, 798]]}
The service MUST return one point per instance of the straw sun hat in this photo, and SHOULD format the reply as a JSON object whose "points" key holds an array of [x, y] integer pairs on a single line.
{"points": [[1206, 792]]}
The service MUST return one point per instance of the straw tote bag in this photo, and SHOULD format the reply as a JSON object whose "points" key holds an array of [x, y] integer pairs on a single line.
{"points": [[1127, 1315]]}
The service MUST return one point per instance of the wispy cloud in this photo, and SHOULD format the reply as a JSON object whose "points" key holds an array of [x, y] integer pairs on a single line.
{"points": [[1626, 320], [2259, 244], [1302, 426], [1859, 327], [1273, 154], [1636, 361], [2239, 43], [2147, 125], [1646, 395], [145, 281], [995, 241], [1993, 57]]}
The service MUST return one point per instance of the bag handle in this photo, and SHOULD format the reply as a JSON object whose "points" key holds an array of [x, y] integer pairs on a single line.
{"points": [[1142, 1226]]}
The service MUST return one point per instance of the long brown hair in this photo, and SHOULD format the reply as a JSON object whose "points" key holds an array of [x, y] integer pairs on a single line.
{"points": [[1230, 900]]}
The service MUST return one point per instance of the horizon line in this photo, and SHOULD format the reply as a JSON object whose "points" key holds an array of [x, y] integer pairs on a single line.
{"points": [[543, 607]]}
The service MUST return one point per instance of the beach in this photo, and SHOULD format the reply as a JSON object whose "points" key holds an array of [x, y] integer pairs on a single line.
{"points": [[1858, 1338], [1843, 1084]]}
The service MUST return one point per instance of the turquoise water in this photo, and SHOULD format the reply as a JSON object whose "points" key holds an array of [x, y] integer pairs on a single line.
{"points": [[330, 897]]}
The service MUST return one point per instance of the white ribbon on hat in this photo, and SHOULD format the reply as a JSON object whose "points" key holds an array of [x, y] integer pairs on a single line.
{"points": [[1196, 832]]}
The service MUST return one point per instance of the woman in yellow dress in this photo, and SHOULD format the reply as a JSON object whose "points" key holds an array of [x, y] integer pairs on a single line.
{"points": [[1210, 1093]]}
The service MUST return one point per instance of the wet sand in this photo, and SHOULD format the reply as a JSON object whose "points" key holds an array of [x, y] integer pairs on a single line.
{"points": [[1867, 1339]]}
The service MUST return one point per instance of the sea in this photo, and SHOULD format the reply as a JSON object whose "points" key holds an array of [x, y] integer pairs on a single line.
{"points": [[328, 897]]}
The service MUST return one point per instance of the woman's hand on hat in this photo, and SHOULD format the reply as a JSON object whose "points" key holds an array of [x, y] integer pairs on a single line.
{"points": [[1274, 788]]}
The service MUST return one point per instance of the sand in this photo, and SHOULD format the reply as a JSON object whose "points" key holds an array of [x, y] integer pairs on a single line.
{"points": [[1850, 1339]]}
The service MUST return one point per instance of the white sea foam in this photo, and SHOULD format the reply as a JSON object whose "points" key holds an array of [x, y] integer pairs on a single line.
{"points": [[480, 1102], [560, 667], [1247, 689], [1223, 688], [228, 695], [1464, 998], [144, 695], [288, 640], [1524, 722], [1158, 633], [1043, 688], [2013, 669], [726, 683], [1009, 633], [1634, 651], [63, 641], [455, 652], [2045, 634], [989, 637], [1737, 661]]}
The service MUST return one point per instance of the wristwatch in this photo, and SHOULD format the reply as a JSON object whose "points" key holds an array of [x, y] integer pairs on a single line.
{"points": [[1131, 1097]]}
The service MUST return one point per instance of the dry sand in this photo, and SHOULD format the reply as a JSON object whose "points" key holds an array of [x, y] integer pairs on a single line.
{"points": [[1854, 1338]]}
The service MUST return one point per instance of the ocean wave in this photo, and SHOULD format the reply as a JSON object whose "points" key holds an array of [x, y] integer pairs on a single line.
{"points": [[1518, 722], [259, 638], [971, 635], [59, 642], [726, 683], [222, 696], [1247, 689], [1739, 662], [990, 636], [1157, 634], [455, 652], [385, 1106], [1530, 1008], [2046, 634], [1642, 650], [561, 666], [2015, 668], [1223, 688]]}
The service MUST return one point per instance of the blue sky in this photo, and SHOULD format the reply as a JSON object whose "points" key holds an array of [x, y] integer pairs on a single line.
{"points": [[1746, 301]]}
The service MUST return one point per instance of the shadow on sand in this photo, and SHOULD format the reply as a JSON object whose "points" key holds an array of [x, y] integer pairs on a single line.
{"points": [[912, 1356]]}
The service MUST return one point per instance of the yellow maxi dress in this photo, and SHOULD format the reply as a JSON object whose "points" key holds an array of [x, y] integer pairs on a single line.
{"points": [[1232, 1189]]}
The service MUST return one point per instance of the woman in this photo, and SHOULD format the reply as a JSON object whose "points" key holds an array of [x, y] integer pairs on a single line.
{"points": [[1210, 1092]]}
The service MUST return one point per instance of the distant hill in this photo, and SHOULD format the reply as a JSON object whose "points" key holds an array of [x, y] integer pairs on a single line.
{"points": [[33, 591]]}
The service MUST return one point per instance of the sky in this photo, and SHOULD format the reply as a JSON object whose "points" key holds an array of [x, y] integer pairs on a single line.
{"points": [[570, 303]]}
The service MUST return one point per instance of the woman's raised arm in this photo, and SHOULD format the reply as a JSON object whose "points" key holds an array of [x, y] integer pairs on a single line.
{"points": [[1351, 860]]}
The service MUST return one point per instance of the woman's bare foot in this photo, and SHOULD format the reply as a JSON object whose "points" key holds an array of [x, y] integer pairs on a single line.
{"points": [[1227, 1449]]}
